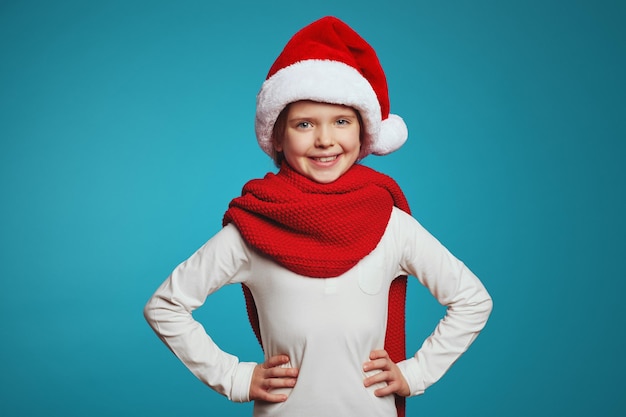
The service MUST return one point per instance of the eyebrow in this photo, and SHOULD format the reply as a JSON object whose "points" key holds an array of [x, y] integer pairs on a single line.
{"points": [[298, 117]]}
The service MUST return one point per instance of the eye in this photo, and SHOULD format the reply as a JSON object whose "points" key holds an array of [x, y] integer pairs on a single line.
{"points": [[303, 125], [343, 122]]}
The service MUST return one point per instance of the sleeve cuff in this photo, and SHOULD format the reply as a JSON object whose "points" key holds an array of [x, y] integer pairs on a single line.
{"points": [[241, 382], [410, 371]]}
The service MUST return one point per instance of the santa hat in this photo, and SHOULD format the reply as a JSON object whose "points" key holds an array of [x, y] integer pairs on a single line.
{"points": [[327, 61]]}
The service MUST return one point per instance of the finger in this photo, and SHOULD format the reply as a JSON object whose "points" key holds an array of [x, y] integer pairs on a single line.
{"points": [[272, 398], [379, 359], [387, 390], [261, 389], [391, 384], [378, 354], [377, 378], [270, 375], [271, 383], [390, 375], [281, 372], [381, 364], [274, 369], [275, 361]]}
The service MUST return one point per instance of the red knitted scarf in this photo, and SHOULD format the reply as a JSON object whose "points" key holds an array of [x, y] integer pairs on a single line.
{"points": [[322, 231]]}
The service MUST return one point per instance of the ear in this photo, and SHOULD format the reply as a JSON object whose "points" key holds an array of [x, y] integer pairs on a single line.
{"points": [[278, 147]]}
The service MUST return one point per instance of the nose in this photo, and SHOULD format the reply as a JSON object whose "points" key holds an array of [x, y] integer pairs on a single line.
{"points": [[324, 137]]}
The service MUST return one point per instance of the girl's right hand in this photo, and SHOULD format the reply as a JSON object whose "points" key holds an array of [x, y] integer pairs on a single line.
{"points": [[270, 375]]}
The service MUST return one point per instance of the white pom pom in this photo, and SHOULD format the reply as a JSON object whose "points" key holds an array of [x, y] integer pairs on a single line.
{"points": [[393, 134]]}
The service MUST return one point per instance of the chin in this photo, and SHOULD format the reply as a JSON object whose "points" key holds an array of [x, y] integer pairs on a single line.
{"points": [[325, 179]]}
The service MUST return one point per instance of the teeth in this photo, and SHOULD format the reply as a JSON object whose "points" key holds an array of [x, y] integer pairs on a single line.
{"points": [[326, 159]]}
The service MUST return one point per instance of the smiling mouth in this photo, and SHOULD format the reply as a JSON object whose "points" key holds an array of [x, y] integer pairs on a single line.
{"points": [[326, 158]]}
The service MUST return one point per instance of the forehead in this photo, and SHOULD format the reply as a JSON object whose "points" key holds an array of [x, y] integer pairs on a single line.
{"points": [[306, 107]]}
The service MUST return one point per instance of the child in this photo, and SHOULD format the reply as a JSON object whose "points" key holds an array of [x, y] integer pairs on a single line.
{"points": [[322, 249]]}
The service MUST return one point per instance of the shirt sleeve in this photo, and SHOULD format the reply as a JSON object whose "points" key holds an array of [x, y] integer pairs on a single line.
{"points": [[223, 260], [468, 304]]}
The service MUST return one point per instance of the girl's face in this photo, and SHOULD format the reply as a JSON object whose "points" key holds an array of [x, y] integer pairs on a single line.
{"points": [[321, 141]]}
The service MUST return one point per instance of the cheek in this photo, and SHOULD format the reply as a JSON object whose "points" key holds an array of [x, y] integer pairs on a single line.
{"points": [[294, 146], [352, 141]]}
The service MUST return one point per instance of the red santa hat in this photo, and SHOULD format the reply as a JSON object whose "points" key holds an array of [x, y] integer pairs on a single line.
{"points": [[327, 61]]}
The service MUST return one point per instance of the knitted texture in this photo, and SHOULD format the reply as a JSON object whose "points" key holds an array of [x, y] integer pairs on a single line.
{"points": [[322, 231]]}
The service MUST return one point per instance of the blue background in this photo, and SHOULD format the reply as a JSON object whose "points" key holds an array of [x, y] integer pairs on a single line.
{"points": [[127, 126]]}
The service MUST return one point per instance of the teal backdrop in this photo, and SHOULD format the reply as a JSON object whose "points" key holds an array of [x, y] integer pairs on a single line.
{"points": [[127, 126]]}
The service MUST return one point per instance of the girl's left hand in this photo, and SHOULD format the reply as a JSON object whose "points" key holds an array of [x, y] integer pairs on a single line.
{"points": [[389, 373]]}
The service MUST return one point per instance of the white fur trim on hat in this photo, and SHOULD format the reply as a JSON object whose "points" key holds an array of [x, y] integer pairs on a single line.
{"points": [[329, 82]]}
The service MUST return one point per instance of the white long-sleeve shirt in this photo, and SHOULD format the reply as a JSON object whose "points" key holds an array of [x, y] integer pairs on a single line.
{"points": [[327, 327]]}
